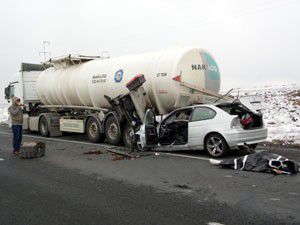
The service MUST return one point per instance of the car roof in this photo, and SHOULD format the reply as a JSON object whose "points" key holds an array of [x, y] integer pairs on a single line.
{"points": [[194, 106]]}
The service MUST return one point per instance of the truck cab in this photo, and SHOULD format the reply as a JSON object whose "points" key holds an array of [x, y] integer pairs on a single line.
{"points": [[24, 84]]}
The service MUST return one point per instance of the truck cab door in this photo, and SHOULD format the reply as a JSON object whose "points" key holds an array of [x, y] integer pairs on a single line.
{"points": [[148, 131]]}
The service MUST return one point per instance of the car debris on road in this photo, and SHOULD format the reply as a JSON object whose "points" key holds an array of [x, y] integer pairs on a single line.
{"points": [[91, 152], [260, 162]]}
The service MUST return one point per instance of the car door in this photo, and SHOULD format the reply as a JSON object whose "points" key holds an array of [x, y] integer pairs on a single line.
{"points": [[200, 122], [148, 131]]}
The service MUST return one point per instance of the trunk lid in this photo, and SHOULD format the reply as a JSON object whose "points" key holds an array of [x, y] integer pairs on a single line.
{"points": [[254, 103]]}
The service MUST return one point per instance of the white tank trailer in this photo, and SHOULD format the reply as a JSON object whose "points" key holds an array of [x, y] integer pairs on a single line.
{"points": [[174, 78], [70, 94]]}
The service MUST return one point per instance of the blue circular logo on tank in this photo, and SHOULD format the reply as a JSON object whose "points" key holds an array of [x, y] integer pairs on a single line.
{"points": [[119, 76]]}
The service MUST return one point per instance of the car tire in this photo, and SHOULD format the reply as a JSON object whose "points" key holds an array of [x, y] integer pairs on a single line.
{"points": [[112, 131], [93, 131], [216, 145], [43, 127], [127, 135]]}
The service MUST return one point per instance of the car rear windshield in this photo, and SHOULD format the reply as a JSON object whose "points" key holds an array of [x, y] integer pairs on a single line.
{"points": [[233, 109]]}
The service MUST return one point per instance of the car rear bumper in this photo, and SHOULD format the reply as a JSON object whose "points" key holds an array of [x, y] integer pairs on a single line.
{"points": [[239, 137]]}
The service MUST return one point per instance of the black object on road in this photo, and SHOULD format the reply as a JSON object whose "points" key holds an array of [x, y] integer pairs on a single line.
{"points": [[33, 149], [261, 162]]}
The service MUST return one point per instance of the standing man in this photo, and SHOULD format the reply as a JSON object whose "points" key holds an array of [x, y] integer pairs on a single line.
{"points": [[16, 116]]}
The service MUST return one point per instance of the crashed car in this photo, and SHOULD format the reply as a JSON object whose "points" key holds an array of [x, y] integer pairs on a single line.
{"points": [[216, 128]]}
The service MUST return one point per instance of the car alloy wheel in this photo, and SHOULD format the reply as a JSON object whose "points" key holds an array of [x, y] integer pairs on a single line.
{"points": [[216, 145]]}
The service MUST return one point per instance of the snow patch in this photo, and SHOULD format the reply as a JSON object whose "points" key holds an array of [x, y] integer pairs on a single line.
{"points": [[3, 114]]}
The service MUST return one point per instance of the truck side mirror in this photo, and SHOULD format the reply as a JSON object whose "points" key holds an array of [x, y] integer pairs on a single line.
{"points": [[7, 92]]}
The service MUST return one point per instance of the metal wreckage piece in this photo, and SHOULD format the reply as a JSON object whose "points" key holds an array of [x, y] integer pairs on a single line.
{"points": [[260, 162]]}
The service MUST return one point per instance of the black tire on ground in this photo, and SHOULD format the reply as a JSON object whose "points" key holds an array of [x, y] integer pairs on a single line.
{"points": [[112, 131], [93, 131], [253, 146], [43, 127], [34, 151], [216, 145], [128, 133]]}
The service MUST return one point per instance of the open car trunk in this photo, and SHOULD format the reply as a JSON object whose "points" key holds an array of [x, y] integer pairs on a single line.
{"points": [[247, 109]]}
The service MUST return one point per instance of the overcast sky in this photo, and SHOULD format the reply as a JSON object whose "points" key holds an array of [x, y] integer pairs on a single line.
{"points": [[255, 42]]}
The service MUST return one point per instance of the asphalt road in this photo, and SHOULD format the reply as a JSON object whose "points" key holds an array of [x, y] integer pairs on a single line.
{"points": [[69, 187]]}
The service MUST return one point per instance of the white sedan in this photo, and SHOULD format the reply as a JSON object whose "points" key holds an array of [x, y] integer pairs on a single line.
{"points": [[215, 128]]}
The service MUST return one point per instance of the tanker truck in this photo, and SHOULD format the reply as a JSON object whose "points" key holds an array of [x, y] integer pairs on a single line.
{"points": [[73, 93]]}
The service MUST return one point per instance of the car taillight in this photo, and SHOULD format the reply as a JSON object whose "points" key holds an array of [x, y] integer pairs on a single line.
{"points": [[235, 123]]}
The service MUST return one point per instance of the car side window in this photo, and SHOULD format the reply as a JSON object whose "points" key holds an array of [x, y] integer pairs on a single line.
{"points": [[179, 115], [203, 113]]}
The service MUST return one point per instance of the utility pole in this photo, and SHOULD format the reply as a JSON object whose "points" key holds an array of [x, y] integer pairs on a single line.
{"points": [[44, 52]]}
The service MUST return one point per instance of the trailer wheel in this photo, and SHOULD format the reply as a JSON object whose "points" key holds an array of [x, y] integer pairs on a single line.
{"points": [[113, 131], [93, 130], [128, 133], [43, 127]]}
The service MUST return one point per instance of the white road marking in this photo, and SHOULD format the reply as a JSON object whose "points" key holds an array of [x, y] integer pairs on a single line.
{"points": [[1, 159], [214, 223], [53, 139], [186, 156], [99, 145]]}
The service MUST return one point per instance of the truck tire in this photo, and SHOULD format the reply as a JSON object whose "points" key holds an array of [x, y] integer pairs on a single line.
{"points": [[33, 150], [112, 131], [128, 133], [43, 127], [93, 131]]}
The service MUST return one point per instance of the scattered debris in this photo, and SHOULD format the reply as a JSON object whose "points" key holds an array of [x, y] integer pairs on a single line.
{"points": [[96, 152], [182, 186], [118, 157], [260, 162], [122, 152]]}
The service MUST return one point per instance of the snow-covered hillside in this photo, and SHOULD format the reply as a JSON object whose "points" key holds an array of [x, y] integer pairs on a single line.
{"points": [[283, 116]]}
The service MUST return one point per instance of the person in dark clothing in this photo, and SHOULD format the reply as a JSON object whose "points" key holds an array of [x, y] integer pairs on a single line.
{"points": [[16, 116]]}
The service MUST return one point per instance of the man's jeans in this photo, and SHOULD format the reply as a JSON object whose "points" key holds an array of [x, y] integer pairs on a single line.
{"points": [[17, 136]]}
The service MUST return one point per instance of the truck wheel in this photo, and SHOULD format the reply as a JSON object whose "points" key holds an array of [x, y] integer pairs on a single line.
{"points": [[112, 131], [216, 145], [93, 130], [128, 133], [43, 127]]}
